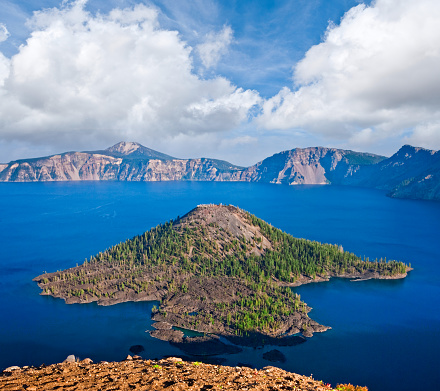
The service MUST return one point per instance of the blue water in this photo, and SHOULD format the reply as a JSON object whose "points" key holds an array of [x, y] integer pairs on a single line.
{"points": [[385, 334]]}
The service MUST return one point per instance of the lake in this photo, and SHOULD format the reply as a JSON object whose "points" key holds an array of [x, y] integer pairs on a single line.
{"points": [[385, 334]]}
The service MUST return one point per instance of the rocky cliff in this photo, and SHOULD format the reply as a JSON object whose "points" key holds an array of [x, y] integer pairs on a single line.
{"points": [[307, 166], [410, 173], [134, 162], [124, 162]]}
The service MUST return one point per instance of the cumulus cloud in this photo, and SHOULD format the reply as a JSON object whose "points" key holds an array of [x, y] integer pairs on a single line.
{"points": [[82, 77], [375, 75], [425, 135], [215, 46]]}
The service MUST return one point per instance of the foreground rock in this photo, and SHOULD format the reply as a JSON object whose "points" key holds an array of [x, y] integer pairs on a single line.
{"points": [[167, 374]]}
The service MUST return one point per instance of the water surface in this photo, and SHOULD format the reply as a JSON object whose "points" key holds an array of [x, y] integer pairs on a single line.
{"points": [[385, 334]]}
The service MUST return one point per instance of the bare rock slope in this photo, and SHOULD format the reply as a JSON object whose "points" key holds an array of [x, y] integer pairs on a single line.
{"points": [[409, 173], [167, 374], [134, 162], [123, 161]]}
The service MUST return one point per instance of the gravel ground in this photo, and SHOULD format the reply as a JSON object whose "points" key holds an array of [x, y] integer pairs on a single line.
{"points": [[167, 374]]}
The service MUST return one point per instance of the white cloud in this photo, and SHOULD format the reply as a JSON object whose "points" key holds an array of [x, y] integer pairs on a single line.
{"points": [[425, 135], [83, 79], [4, 33], [215, 46], [374, 76]]}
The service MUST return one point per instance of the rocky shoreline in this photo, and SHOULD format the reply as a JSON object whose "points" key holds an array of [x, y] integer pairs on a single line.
{"points": [[171, 373], [167, 327], [350, 276]]}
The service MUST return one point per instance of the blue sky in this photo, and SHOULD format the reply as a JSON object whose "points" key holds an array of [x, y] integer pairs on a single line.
{"points": [[235, 80]]}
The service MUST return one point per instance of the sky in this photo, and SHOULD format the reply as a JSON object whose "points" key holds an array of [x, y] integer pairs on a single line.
{"points": [[237, 80]]}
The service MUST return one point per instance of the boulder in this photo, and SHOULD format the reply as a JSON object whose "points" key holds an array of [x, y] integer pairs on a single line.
{"points": [[10, 369], [71, 358], [174, 359]]}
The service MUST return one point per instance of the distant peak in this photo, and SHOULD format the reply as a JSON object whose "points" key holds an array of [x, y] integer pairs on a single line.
{"points": [[410, 149], [124, 147], [133, 150]]}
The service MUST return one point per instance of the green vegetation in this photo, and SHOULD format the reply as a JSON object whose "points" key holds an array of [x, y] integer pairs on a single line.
{"points": [[225, 281], [294, 257], [360, 158]]}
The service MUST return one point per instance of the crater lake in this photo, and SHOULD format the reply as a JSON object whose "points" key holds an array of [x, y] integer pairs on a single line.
{"points": [[385, 333]]}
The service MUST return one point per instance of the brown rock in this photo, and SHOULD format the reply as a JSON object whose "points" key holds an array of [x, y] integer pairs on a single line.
{"points": [[70, 359], [12, 368], [162, 375]]}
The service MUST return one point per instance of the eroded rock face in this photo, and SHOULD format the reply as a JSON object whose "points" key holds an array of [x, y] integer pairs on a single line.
{"points": [[310, 166], [134, 162], [409, 173]]}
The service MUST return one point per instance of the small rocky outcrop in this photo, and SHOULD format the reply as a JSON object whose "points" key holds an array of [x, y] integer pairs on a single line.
{"points": [[71, 358], [274, 356]]}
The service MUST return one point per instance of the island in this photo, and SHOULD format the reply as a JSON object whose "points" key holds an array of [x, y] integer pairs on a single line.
{"points": [[218, 271]]}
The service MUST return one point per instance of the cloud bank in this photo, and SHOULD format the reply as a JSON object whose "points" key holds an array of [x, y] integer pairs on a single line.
{"points": [[374, 76], [81, 77], [84, 80]]}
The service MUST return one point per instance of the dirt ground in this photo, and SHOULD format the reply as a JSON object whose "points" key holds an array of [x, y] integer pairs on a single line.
{"points": [[167, 374]]}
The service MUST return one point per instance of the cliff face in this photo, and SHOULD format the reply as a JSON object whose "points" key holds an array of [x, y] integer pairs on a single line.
{"points": [[308, 166], [70, 166], [123, 161], [133, 162], [410, 173]]}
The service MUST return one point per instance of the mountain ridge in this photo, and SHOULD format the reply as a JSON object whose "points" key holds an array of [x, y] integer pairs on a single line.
{"points": [[412, 172]]}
